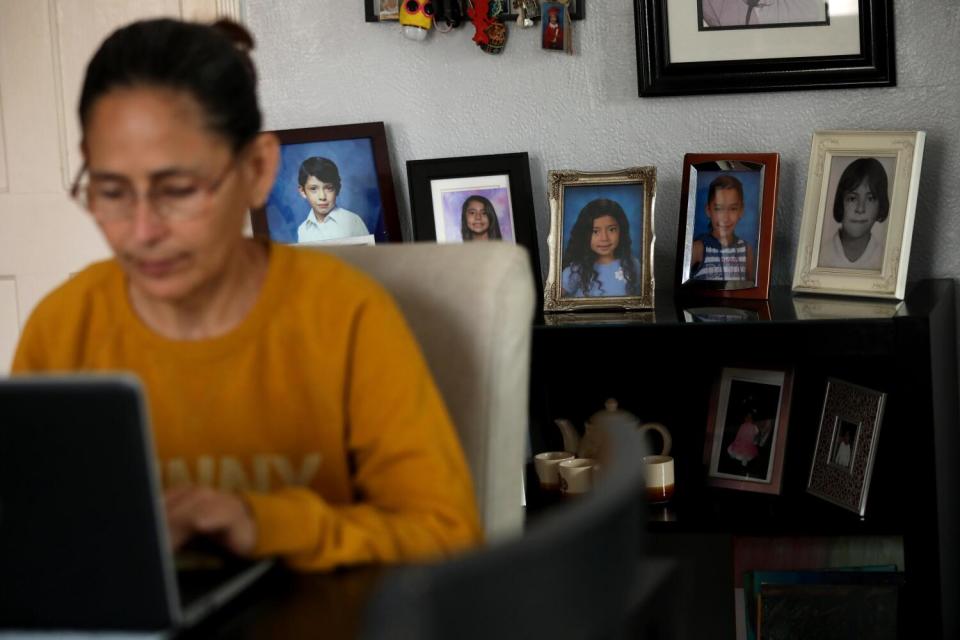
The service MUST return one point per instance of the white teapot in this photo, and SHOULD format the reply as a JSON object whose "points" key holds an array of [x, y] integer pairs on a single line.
{"points": [[590, 445]]}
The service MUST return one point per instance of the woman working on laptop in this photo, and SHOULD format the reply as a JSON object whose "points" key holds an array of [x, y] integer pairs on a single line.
{"points": [[292, 411]]}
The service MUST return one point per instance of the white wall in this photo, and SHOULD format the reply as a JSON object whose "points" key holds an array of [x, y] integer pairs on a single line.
{"points": [[321, 64]]}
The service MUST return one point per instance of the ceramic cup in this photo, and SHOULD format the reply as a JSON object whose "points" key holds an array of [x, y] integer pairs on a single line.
{"points": [[576, 476], [659, 472], [547, 466]]}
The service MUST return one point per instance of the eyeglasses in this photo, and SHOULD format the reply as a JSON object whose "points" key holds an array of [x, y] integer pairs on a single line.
{"points": [[174, 196]]}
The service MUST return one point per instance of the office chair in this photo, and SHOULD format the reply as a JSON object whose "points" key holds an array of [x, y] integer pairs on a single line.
{"points": [[471, 308], [572, 576]]}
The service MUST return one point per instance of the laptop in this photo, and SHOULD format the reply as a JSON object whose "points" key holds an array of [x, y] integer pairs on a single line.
{"points": [[83, 540]]}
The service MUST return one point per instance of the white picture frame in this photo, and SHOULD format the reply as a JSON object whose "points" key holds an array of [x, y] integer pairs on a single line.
{"points": [[823, 263]]}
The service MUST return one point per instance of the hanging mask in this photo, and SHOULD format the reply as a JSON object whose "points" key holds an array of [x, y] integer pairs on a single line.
{"points": [[416, 18]]}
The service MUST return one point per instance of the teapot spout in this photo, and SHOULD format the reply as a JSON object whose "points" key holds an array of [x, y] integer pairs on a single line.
{"points": [[571, 439]]}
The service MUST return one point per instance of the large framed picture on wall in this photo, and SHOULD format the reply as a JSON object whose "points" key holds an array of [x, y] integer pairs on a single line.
{"points": [[723, 46]]}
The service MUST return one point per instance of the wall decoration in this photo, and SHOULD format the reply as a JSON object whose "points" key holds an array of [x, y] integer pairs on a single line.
{"points": [[858, 213], [846, 445], [747, 429], [577, 9], [723, 46], [601, 239], [727, 211], [474, 198], [334, 185]]}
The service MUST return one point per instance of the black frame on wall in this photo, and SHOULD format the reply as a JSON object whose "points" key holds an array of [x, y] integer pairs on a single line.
{"points": [[874, 66]]}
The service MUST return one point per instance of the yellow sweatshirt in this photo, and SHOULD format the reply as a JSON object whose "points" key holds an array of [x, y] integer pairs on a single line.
{"points": [[318, 408]]}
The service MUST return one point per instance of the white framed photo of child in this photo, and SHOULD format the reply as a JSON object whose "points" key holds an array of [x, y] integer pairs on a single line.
{"points": [[858, 213], [727, 211]]}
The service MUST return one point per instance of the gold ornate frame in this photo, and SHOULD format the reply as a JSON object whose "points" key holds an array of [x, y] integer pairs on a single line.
{"points": [[558, 182], [906, 150]]}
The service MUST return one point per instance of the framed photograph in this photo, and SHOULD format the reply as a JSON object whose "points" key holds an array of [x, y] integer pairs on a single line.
{"points": [[858, 213], [382, 10], [601, 239], [474, 198], [747, 429], [576, 9], [725, 46], [727, 209], [334, 186], [846, 445]]}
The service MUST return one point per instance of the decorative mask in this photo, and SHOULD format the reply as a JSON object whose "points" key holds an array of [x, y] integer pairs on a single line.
{"points": [[416, 17]]}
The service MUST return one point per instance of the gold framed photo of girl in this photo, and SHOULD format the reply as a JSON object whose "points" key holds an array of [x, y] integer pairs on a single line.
{"points": [[601, 239], [474, 199], [727, 211], [858, 213], [747, 429]]}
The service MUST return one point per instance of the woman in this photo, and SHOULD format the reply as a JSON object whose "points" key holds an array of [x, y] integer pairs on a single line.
{"points": [[293, 413], [478, 220], [599, 260]]}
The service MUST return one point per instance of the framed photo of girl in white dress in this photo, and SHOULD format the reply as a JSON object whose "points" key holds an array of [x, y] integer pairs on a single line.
{"points": [[858, 213], [747, 429]]}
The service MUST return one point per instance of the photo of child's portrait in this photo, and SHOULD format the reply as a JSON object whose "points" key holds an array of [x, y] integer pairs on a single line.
{"points": [[602, 241], [473, 209], [854, 233], [757, 14], [552, 25], [326, 192], [747, 425], [844, 443], [389, 9], [726, 227]]}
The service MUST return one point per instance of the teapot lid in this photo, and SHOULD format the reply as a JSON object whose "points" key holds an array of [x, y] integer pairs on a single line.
{"points": [[611, 415]]}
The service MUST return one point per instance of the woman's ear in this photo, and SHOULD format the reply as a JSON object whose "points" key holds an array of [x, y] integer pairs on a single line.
{"points": [[263, 159]]}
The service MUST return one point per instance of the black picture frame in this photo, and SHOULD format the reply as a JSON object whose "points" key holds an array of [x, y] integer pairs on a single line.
{"points": [[514, 167], [378, 177], [577, 11], [873, 66]]}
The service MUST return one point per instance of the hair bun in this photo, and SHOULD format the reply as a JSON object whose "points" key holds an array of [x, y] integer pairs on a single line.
{"points": [[236, 33]]}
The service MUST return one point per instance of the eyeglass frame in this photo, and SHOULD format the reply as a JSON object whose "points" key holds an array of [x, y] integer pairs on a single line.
{"points": [[209, 190]]}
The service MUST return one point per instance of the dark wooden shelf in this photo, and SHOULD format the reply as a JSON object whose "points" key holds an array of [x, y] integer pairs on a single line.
{"points": [[662, 366]]}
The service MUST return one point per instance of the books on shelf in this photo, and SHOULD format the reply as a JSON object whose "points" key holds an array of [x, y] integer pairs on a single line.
{"points": [[845, 602]]}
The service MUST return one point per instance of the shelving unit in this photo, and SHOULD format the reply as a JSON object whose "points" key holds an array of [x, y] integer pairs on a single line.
{"points": [[662, 367]]}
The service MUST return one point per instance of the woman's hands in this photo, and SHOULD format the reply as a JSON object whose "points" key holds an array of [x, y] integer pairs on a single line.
{"points": [[222, 515]]}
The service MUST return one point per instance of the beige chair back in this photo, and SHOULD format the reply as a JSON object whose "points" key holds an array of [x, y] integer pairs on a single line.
{"points": [[471, 307]]}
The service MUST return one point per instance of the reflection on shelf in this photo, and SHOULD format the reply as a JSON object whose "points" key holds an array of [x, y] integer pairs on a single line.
{"points": [[598, 318], [728, 313], [814, 308]]}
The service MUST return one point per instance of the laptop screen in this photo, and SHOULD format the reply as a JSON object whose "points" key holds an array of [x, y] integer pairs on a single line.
{"points": [[82, 540]]}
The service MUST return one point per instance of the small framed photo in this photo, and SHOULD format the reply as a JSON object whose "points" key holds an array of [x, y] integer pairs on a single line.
{"points": [[334, 186], [727, 211], [555, 31], [601, 239], [846, 445], [747, 429], [382, 10], [858, 213], [474, 198]]}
